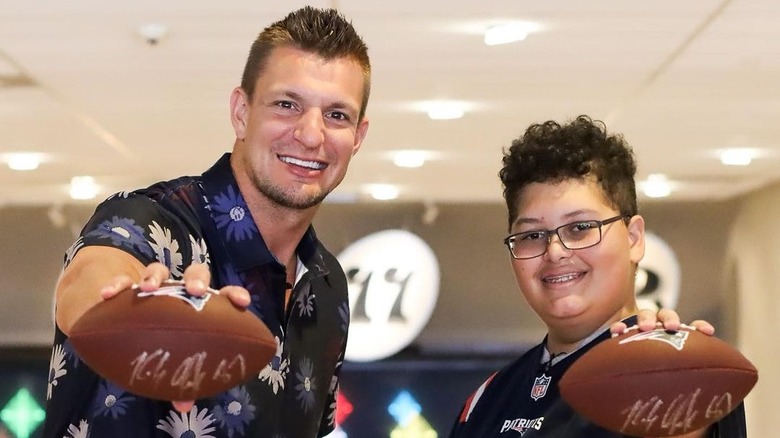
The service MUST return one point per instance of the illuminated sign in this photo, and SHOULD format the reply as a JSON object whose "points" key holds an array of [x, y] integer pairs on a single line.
{"points": [[393, 280]]}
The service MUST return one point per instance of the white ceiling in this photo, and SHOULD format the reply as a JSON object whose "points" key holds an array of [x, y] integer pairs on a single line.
{"points": [[680, 78]]}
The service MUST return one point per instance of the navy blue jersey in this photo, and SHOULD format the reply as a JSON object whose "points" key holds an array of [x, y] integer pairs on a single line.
{"points": [[522, 400]]}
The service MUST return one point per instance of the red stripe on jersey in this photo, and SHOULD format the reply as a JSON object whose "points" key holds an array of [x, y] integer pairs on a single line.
{"points": [[473, 399]]}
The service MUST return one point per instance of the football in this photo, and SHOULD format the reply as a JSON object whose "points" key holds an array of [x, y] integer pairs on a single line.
{"points": [[169, 345], [658, 383]]}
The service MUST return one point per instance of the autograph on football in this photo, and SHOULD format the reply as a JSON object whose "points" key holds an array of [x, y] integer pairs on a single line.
{"points": [[676, 416], [188, 374]]}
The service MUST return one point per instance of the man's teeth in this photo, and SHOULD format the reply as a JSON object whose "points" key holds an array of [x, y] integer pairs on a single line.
{"points": [[561, 278], [314, 165]]}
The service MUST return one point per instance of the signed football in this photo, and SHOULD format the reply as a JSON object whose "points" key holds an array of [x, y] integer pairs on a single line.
{"points": [[169, 345], [658, 383]]}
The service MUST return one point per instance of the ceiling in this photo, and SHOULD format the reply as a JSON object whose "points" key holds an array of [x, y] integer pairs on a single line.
{"points": [[681, 79]]}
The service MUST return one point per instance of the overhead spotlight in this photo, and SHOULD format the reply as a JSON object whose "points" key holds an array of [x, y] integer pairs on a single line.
{"points": [[410, 158], [83, 187], [383, 192], [24, 161], [152, 33], [737, 156], [656, 186], [506, 33], [445, 110]]}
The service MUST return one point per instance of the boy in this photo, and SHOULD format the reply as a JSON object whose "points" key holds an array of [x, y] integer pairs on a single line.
{"points": [[575, 241]]}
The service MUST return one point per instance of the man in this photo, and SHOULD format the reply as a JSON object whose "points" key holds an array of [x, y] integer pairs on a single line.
{"points": [[243, 227], [575, 242]]}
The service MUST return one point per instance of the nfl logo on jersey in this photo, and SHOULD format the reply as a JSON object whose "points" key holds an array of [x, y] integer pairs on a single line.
{"points": [[540, 387]]}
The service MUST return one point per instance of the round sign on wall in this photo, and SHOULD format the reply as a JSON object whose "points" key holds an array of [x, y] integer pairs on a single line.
{"points": [[657, 282], [393, 280]]}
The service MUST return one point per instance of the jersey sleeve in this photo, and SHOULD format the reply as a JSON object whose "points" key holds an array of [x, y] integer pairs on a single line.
{"points": [[732, 425]]}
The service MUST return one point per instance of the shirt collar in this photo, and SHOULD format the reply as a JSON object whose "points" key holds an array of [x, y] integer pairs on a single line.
{"points": [[236, 226]]}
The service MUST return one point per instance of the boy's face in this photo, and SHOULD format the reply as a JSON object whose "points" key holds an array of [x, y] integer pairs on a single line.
{"points": [[576, 292]]}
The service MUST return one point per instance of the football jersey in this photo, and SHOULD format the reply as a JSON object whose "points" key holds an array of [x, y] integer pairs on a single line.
{"points": [[522, 400]]}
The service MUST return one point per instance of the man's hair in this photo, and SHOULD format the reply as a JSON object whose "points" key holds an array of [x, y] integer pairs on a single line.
{"points": [[324, 32], [551, 153]]}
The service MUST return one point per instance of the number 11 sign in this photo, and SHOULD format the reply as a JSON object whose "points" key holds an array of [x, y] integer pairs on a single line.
{"points": [[393, 280]]}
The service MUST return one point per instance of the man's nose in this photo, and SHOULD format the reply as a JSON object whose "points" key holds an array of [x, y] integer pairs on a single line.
{"points": [[310, 129]]}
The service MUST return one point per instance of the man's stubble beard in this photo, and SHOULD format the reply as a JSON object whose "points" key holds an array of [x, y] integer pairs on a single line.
{"points": [[287, 198]]}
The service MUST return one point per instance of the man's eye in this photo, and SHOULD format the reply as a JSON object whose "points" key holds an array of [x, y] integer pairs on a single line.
{"points": [[338, 115], [285, 104]]}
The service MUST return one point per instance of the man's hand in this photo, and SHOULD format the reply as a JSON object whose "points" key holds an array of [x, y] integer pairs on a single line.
{"points": [[183, 406], [196, 280], [667, 318]]}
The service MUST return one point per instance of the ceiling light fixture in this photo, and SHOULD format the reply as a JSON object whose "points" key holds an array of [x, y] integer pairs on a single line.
{"points": [[24, 161], [152, 33], [445, 110], [83, 187], [506, 33], [737, 156], [656, 186], [410, 158], [383, 192]]}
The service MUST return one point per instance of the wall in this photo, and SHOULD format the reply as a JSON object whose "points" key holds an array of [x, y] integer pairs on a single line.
{"points": [[753, 262]]}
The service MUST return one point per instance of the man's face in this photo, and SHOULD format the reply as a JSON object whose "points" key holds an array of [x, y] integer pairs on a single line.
{"points": [[576, 292], [296, 136]]}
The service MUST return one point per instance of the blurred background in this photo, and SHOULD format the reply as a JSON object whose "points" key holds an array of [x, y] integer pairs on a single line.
{"points": [[99, 97]]}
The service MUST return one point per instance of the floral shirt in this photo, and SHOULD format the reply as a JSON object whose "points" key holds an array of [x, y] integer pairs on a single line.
{"points": [[205, 219]]}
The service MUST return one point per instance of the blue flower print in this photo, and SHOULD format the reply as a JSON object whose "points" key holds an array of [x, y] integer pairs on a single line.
{"points": [[275, 373], [71, 252], [200, 252], [232, 215], [123, 194], [56, 369], [111, 399], [234, 411], [166, 248], [70, 352], [123, 232], [305, 302], [306, 384], [193, 424]]}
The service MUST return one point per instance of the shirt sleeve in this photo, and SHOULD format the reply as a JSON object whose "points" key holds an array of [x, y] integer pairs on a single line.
{"points": [[139, 226]]}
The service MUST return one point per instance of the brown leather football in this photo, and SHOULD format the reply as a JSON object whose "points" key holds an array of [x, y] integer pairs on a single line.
{"points": [[169, 345], [658, 383]]}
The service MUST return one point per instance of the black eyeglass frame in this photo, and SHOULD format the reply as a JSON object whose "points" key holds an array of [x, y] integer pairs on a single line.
{"points": [[510, 240]]}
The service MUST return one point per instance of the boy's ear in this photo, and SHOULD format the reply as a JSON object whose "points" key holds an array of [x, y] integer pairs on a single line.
{"points": [[636, 238]]}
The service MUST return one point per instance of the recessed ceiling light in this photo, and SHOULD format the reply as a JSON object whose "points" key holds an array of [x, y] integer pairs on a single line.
{"points": [[23, 161], [506, 33], [411, 158], [737, 156], [383, 192], [445, 110], [656, 186], [83, 187]]}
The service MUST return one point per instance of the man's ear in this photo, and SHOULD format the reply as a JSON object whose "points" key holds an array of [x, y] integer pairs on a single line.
{"points": [[360, 135], [636, 238], [239, 111]]}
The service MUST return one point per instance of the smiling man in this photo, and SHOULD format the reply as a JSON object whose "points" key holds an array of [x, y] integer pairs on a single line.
{"points": [[242, 227]]}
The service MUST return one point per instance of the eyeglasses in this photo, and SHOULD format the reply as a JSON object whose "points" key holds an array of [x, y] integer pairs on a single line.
{"points": [[574, 235]]}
